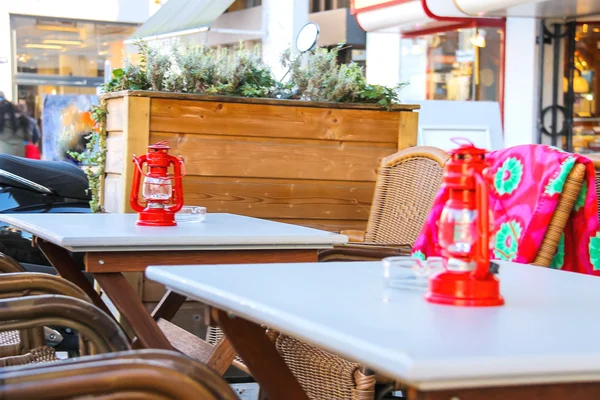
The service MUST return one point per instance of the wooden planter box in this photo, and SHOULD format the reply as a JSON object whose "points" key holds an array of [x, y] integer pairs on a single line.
{"points": [[305, 163]]}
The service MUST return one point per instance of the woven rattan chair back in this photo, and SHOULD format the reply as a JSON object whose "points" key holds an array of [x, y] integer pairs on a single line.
{"points": [[323, 375], [561, 215], [596, 160], [407, 184]]}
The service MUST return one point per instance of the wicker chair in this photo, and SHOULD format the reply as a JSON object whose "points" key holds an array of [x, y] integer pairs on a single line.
{"points": [[407, 184], [401, 205], [9, 339], [9, 264], [595, 157], [101, 332], [402, 202], [31, 342], [391, 231], [138, 375], [561, 215]]}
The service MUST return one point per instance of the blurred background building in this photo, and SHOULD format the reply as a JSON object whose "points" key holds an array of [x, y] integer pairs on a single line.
{"points": [[448, 50]]}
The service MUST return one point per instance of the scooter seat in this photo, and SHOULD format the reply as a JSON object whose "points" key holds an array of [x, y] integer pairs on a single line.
{"points": [[51, 177]]}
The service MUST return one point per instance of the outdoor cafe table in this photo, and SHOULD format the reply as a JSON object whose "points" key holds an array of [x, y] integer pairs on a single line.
{"points": [[541, 345], [113, 244]]}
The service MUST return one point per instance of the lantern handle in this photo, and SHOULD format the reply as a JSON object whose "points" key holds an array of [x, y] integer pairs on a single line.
{"points": [[134, 200], [178, 159], [461, 141]]}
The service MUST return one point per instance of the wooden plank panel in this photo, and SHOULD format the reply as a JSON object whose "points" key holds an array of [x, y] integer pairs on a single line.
{"points": [[255, 100], [112, 193], [116, 111], [330, 225], [279, 198], [259, 120], [114, 153], [277, 158], [135, 141], [408, 129]]}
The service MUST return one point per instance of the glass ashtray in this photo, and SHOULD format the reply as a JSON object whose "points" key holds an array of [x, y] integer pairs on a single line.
{"points": [[191, 214]]}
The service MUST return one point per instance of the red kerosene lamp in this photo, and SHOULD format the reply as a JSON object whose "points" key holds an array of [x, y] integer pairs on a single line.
{"points": [[163, 193], [464, 234]]}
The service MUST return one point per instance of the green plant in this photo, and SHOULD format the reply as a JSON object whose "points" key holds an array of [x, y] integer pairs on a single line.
{"points": [[321, 78], [94, 156], [203, 70], [200, 69]]}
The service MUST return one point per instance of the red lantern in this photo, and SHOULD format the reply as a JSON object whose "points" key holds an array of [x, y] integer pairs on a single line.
{"points": [[163, 193], [464, 234]]}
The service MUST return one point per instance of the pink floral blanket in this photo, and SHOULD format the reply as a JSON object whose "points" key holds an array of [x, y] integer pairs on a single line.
{"points": [[525, 186]]}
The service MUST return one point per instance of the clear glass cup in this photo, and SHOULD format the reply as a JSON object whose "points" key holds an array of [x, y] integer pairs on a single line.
{"points": [[408, 273], [400, 273], [191, 214], [434, 264]]}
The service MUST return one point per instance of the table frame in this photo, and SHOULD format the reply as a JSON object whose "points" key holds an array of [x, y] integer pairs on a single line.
{"points": [[108, 268], [269, 369]]}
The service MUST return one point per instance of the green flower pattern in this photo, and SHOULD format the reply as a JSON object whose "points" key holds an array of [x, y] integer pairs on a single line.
{"points": [[507, 241], [555, 185], [418, 254], [508, 176], [582, 195], [559, 258], [595, 251], [556, 149]]}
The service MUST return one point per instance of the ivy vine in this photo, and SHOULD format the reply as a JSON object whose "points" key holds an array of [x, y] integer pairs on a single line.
{"points": [[94, 155]]}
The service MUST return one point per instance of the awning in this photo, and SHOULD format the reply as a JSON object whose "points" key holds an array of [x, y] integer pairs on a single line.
{"points": [[530, 8], [180, 17], [408, 15]]}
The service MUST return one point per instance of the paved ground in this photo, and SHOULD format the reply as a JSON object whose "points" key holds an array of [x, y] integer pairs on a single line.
{"points": [[246, 391]]}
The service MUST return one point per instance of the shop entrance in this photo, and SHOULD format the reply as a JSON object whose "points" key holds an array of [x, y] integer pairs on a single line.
{"points": [[572, 119]]}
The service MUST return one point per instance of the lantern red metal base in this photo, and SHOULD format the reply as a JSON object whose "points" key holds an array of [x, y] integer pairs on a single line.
{"points": [[463, 289], [156, 217]]}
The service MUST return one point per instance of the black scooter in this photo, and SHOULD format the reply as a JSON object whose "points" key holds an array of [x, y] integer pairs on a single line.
{"points": [[34, 186]]}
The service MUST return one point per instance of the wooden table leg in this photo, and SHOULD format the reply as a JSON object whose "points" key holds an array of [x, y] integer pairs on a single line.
{"points": [[261, 357], [222, 356], [168, 306], [131, 308], [67, 268], [166, 309]]}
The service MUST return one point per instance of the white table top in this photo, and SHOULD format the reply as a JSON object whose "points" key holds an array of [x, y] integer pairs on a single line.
{"points": [[544, 333], [118, 232]]}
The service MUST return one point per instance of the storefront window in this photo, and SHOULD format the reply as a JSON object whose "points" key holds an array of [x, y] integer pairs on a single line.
{"points": [[462, 64], [586, 85], [63, 56]]}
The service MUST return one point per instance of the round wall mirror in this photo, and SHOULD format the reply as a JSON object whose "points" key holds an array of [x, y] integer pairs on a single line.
{"points": [[307, 37]]}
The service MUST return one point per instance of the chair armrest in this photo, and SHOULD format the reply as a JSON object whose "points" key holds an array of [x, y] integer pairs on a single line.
{"points": [[22, 284], [100, 329], [118, 378], [9, 264], [354, 236], [363, 252], [171, 359]]}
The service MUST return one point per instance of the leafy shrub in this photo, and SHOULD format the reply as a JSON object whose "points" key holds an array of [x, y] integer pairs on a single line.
{"points": [[200, 69]]}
